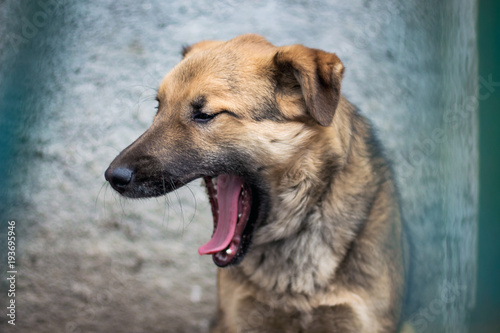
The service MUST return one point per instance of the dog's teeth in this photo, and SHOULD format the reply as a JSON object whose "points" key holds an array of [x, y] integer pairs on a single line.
{"points": [[229, 251], [239, 215]]}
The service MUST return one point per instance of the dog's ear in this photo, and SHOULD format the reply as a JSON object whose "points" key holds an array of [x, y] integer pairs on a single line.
{"points": [[185, 50], [319, 75], [203, 45]]}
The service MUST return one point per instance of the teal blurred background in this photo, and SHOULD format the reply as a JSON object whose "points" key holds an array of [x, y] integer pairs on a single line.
{"points": [[486, 317]]}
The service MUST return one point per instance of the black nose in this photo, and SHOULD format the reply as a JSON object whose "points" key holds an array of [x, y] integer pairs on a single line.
{"points": [[119, 178]]}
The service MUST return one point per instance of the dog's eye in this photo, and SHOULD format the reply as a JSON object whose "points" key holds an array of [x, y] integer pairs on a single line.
{"points": [[202, 118]]}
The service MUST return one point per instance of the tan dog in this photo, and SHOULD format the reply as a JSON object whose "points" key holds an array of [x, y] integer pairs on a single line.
{"points": [[304, 205]]}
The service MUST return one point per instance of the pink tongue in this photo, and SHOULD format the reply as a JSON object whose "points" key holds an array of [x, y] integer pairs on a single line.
{"points": [[228, 193]]}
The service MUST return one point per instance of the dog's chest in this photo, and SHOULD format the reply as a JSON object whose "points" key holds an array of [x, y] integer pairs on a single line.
{"points": [[240, 310]]}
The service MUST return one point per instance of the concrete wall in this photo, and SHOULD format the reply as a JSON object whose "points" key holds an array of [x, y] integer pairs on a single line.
{"points": [[78, 83]]}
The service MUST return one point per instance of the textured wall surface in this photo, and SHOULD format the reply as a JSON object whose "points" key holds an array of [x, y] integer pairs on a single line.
{"points": [[78, 83]]}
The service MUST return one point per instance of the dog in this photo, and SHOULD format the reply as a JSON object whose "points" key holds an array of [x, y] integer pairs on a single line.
{"points": [[307, 227]]}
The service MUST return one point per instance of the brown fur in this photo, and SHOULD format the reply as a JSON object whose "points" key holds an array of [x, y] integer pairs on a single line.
{"points": [[326, 255]]}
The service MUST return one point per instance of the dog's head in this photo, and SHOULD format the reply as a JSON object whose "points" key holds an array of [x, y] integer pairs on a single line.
{"points": [[239, 114]]}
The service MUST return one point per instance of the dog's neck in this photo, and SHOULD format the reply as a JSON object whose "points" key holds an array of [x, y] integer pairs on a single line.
{"points": [[313, 221]]}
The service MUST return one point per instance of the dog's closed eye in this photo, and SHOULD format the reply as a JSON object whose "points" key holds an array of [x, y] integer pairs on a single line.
{"points": [[202, 118]]}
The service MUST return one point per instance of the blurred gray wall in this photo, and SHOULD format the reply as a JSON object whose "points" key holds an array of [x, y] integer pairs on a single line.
{"points": [[78, 83]]}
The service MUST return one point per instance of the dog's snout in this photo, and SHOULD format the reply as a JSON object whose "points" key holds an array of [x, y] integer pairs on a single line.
{"points": [[119, 178]]}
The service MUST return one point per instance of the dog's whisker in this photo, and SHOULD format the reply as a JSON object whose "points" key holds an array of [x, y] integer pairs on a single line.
{"points": [[195, 204], [178, 200], [146, 86], [143, 100], [104, 185], [167, 205], [113, 147], [148, 98], [122, 206], [106, 192], [180, 207], [164, 200]]}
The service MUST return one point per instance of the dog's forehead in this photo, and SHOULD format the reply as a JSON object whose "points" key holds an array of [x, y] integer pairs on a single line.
{"points": [[221, 67], [199, 72]]}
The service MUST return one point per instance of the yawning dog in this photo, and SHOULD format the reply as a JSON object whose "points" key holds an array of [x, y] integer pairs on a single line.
{"points": [[307, 230]]}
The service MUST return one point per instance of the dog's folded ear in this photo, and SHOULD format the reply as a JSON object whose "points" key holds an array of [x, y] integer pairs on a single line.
{"points": [[319, 75]]}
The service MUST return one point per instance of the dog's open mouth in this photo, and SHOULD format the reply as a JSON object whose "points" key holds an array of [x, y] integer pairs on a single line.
{"points": [[231, 200]]}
